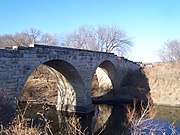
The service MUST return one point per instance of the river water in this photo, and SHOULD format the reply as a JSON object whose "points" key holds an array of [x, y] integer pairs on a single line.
{"points": [[105, 120]]}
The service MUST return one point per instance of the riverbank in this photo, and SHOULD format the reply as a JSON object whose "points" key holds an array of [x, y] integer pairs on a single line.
{"points": [[164, 83]]}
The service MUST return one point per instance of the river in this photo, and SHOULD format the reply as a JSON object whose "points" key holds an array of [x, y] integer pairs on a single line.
{"points": [[106, 120]]}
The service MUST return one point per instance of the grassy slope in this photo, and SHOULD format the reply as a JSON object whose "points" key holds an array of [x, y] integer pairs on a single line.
{"points": [[164, 83]]}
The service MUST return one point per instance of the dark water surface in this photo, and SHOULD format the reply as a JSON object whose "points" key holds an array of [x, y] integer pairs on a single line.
{"points": [[168, 115], [105, 120]]}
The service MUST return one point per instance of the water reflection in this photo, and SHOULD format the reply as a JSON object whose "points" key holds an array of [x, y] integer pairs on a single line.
{"points": [[101, 117], [105, 120], [171, 114], [167, 116], [115, 123]]}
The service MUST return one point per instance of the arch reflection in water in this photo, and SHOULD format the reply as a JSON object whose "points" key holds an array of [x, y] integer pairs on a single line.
{"points": [[111, 120], [101, 116], [105, 120]]}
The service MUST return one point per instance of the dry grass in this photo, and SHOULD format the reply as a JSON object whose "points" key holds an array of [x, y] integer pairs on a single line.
{"points": [[20, 126], [143, 122], [164, 83], [71, 126], [138, 121], [26, 126], [75, 127]]}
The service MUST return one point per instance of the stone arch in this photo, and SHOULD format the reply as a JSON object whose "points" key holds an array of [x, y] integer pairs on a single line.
{"points": [[111, 71], [71, 77]]}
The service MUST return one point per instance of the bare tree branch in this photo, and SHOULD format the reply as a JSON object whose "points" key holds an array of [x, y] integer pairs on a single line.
{"points": [[102, 38], [170, 51], [27, 37]]}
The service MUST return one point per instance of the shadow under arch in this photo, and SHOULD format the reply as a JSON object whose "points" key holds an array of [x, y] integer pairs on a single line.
{"points": [[110, 70], [67, 75]]}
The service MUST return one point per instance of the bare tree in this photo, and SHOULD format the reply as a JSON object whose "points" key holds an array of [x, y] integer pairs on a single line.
{"points": [[4, 41], [49, 39], [170, 52], [27, 37], [113, 39], [33, 35], [82, 38], [102, 38]]}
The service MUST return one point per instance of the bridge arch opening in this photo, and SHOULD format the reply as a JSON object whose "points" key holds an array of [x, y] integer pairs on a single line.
{"points": [[55, 82], [104, 79]]}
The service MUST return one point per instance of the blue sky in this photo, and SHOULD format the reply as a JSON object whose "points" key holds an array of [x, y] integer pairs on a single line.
{"points": [[148, 22]]}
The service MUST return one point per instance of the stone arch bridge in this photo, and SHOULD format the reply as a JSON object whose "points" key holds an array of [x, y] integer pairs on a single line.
{"points": [[78, 66]]}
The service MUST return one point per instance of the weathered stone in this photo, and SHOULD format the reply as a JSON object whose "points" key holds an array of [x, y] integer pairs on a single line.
{"points": [[78, 66]]}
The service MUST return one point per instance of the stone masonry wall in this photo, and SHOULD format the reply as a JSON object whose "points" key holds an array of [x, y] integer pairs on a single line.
{"points": [[79, 66]]}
